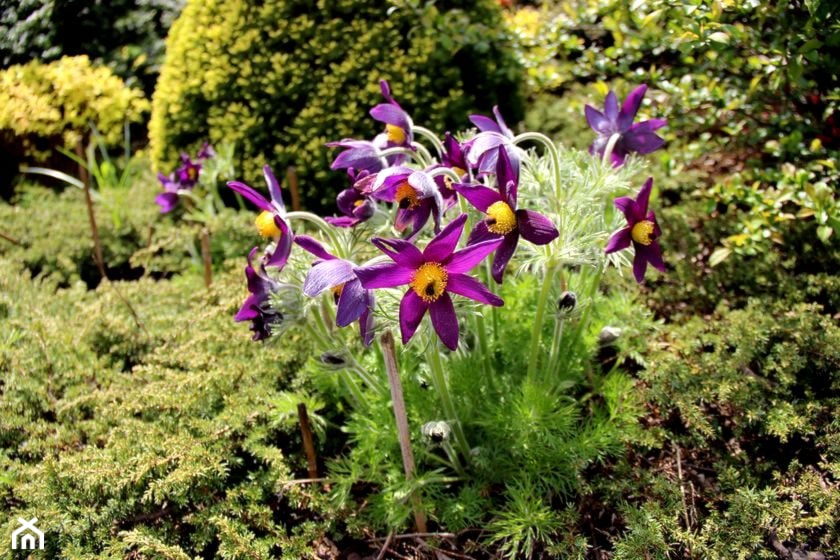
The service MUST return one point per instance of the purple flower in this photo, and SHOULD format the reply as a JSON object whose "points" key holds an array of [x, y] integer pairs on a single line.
{"points": [[415, 193], [353, 302], [642, 230], [270, 222], [355, 206], [503, 218], [639, 137], [398, 125], [359, 155], [431, 275], [168, 199], [188, 172], [206, 151], [257, 308], [482, 151], [454, 157]]}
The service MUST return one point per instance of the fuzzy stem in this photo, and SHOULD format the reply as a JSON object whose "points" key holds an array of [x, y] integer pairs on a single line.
{"points": [[536, 333], [552, 152], [608, 151], [427, 158], [430, 136], [206, 257], [318, 222], [438, 379], [401, 418]]}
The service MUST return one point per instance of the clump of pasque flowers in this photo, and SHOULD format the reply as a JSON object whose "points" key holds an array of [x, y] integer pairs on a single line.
{"points": [[428, 228]]}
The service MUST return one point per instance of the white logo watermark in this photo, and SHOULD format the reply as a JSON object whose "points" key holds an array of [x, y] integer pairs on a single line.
{"points": [[23, 537]]}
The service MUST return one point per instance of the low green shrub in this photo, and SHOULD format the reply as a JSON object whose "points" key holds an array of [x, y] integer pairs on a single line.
{"points": [[280, 80]]}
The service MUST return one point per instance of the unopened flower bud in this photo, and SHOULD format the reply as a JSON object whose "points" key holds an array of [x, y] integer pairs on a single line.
{"points": [[608, 335], [437, 431], [333, 359], [567, 302]]}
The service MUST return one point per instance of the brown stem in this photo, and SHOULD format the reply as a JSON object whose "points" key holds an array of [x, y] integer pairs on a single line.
{"points": [[94, 230], [291, 178], [389, 351], [10, 239], [308, 443], [205, 255]]}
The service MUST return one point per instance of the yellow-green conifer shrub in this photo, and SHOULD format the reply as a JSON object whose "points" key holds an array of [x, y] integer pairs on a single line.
{"points": [[283, 77], [45, 106]]}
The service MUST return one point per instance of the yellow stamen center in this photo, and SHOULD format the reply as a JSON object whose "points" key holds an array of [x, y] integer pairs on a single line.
{"points": [[192, 173], [406, 197], [642, 232], [447, 180], [359, 202], [429, 281], [500, 218], [337, 291], [266, 226], [395, 134]]}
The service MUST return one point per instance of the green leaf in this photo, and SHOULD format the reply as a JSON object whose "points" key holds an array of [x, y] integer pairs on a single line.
{"points": [[719, 255]]}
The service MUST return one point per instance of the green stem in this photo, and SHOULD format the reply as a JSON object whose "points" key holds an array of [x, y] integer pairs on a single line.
{"points": [[318, 222], [610, 147], [536, 333], [427, 158], [430, 136], [442, 389]]}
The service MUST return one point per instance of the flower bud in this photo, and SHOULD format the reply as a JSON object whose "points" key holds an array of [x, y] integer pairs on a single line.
{"points": [[608, 335], [567, 302], [437, 431]]}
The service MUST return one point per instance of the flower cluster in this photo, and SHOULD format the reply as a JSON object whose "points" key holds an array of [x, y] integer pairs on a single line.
{"points": [[183, 179], [394, 176]]}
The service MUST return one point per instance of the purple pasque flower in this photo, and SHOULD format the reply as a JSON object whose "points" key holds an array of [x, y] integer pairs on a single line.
{"points": [[206, 151], [415, 193], [398, 124], [454, 157], [359, 155], [503, 217], [188, 173], [640, 137], [355, 206], [353, 302], [431, 276], [642, 231], [482, 150], [257, 307], [168, 199], [271, 221]]}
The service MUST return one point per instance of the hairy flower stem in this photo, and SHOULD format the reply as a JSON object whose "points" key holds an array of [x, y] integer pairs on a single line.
{"points": [[552, 152], [398, 402], [438, 380], [430, 136], [536, 333], [610, 148]]}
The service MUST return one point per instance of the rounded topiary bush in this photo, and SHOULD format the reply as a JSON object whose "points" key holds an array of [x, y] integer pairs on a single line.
{"points": [[281, 78]]}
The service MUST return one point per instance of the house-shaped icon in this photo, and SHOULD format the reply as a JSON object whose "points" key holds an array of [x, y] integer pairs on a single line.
{"points": [[25, 535]]}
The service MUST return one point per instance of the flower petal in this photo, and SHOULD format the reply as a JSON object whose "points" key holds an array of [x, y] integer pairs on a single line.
{"points": [[506, 179], [393, 115], [481, 233], [485, 124], [630, 107], [327, 274], [274, 189], [478, 195], [444, 243], [351, 303], [597, 121], [402, 252], [535, 227], [445, 321], [252, 195], [619, 241], [503, 255], [641, 141], [412, 309], [611, 107], [628, 207], [469, 287], [653, 254], [468, 258], [642, 200], [311, 245], [385, 275], [284, 245], [167, 201], [503, 128], [639, 265]]}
